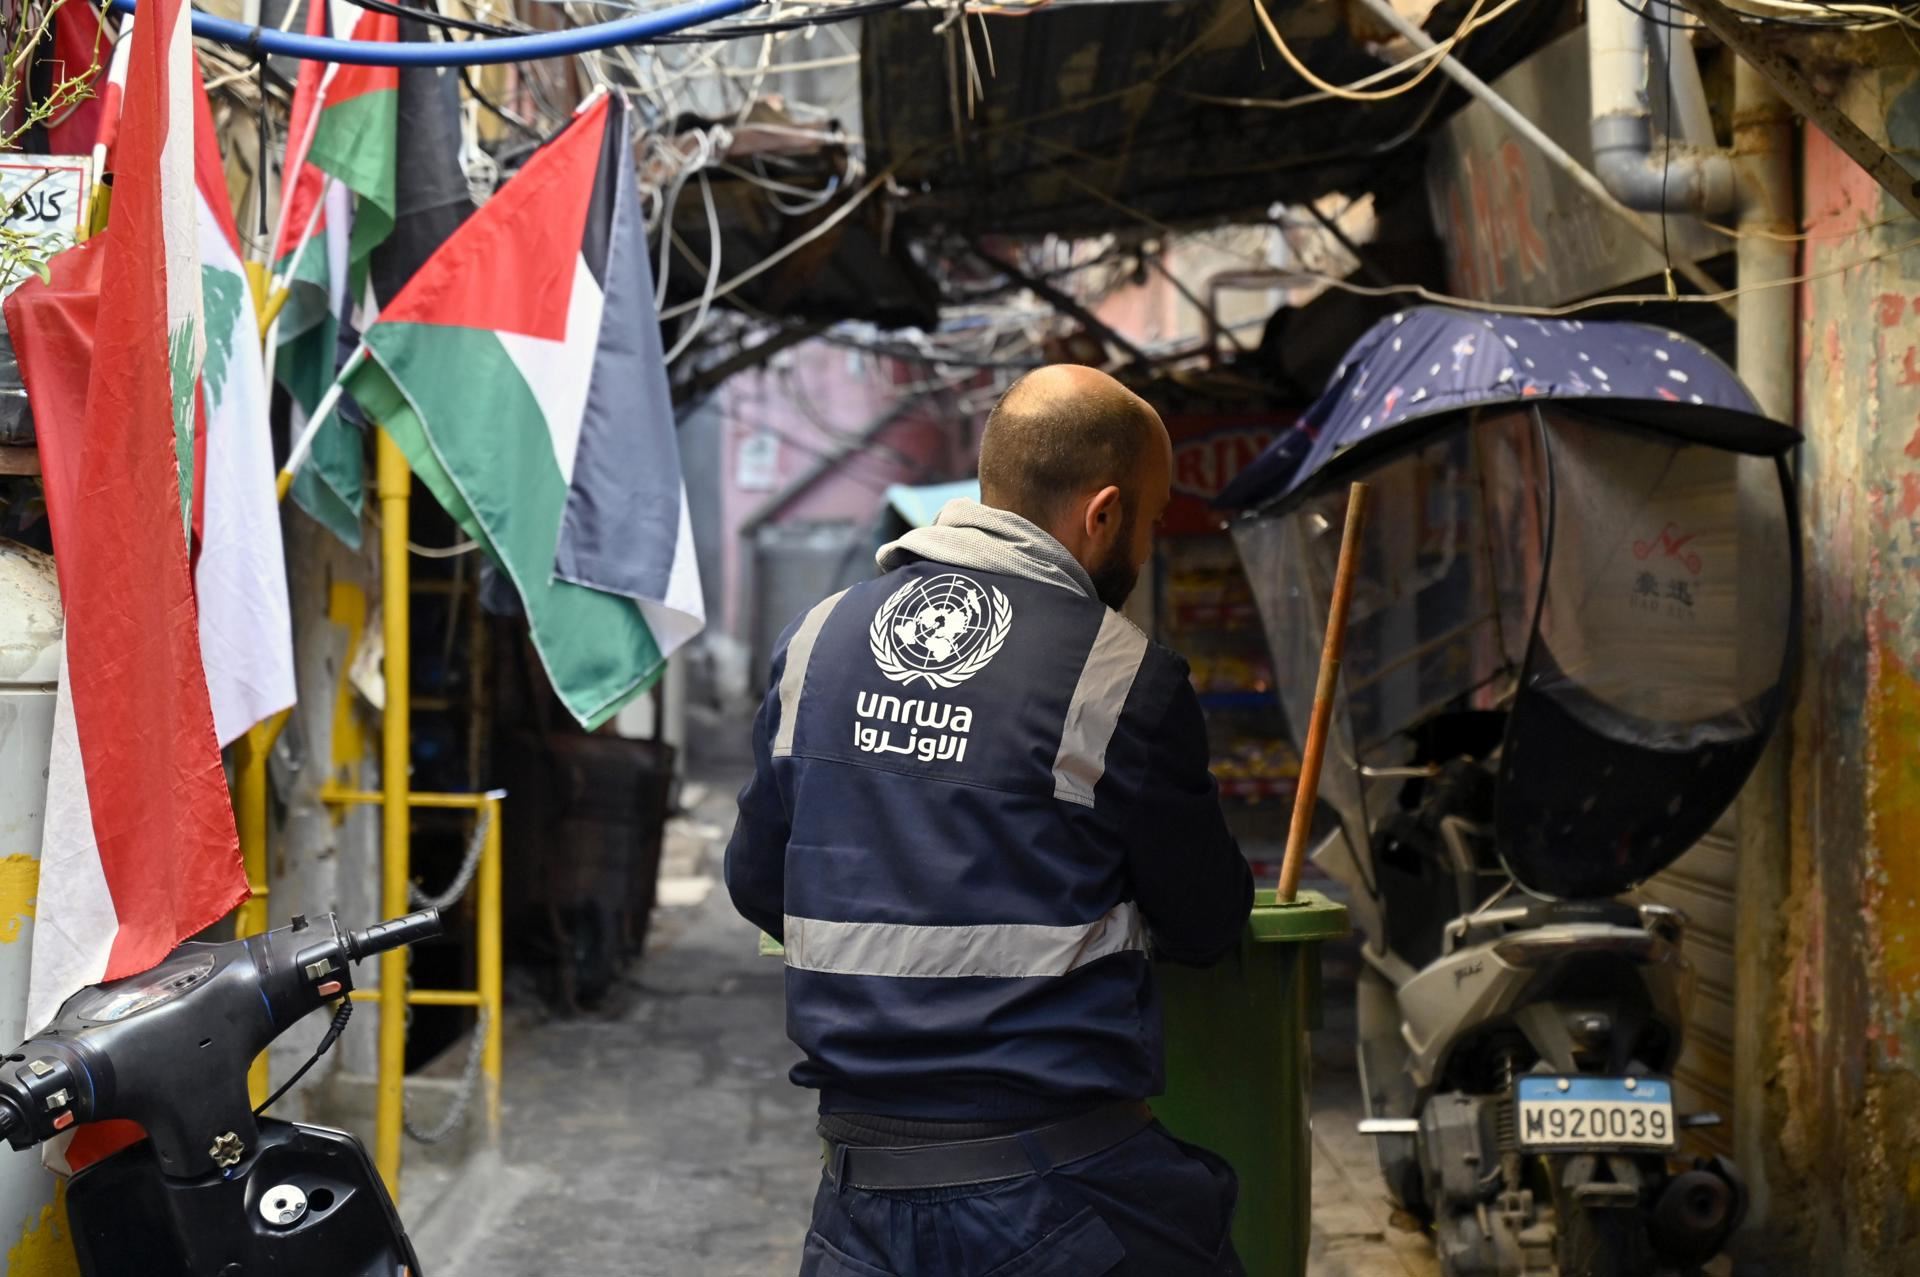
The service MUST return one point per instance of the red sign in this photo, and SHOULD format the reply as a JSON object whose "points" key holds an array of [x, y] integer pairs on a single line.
{"points": [[1207, 453]]}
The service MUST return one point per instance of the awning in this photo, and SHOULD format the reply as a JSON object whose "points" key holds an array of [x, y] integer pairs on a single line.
{"points": [[1414, 372], [920, 506]]}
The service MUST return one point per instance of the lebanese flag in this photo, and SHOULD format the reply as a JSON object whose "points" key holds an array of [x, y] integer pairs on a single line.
{"points": [[337, 208], [520, 370], [239, 572], [139, 848]]}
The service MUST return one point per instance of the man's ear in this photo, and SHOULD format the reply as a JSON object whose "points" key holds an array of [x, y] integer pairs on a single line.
{"points": [[1103, 513]]}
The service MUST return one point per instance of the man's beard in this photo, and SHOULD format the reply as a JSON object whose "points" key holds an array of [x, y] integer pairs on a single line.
{"points": [[1113, 580]]}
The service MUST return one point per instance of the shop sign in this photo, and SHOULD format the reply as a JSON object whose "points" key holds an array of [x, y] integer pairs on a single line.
{"points": [[1518, 229], [757, 463], [43, 197], [1207, 454]]}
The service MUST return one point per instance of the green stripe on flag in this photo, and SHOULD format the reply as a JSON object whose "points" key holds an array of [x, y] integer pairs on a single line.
{"points": [[355, 141], [331, 486], [307, 292], [454, 402]]}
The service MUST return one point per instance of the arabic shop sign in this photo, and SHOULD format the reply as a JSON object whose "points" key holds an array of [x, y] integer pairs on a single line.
{"points": [[44, 198]]}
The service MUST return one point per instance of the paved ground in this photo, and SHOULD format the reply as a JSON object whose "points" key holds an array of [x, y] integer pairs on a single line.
{"points": [[664, 1140], [1355, 1231]]}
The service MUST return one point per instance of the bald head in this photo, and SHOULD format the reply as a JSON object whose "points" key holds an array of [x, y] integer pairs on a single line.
{"points": [[1072, 450], [1061, 432]]}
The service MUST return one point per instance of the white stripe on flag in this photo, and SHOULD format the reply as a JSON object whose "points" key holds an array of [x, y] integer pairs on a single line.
{"points": [[240, 581], [75, 922], [558, 373], [682, 614], [179, 193]]}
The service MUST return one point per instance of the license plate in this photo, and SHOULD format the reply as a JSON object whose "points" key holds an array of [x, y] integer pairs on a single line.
{"points": [[1595, 1112]]}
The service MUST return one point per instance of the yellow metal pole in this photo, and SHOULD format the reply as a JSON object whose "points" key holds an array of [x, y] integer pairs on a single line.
{"points": [[425, 798], [250, 811], [395, 484], [429, 997], [491, 980]]}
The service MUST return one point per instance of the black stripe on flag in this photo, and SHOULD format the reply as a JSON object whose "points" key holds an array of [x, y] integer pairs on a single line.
{"points": [[606, 190], [622, 523]]}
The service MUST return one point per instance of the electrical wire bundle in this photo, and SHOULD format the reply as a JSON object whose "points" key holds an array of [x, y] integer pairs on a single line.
{"points": [[1818, 14]]}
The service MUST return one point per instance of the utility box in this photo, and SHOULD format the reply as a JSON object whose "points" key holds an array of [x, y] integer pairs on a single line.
{"points": [[31, 626]]}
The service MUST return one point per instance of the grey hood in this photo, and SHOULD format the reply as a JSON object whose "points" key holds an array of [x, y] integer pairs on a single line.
{"points": [[970, 535]]}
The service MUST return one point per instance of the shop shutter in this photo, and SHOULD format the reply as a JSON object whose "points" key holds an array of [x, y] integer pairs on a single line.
{"points": [[1701, 885]]}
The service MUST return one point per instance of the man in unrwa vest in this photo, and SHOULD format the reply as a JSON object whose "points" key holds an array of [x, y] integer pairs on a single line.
{"points": [[981, 800]]}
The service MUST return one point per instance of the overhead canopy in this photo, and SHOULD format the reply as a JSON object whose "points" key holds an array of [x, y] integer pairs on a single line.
{"points": [[1414, 370], [1093, 117], [921, 506]]}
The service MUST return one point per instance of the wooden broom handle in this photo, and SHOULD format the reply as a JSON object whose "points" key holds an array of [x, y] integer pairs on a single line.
{"points": [[1308, 789]]}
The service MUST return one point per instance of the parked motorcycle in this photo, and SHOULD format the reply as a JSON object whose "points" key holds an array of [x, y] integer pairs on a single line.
{"points": [[216, 1189], [1569, 644]]}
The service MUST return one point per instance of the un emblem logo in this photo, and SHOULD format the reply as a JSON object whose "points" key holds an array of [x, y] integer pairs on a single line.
{"points": [[942, 630]]}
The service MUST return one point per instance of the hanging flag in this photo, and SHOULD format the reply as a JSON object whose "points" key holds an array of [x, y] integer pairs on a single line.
{"points": [[521, 372], [239, 573], [430, 195], [82, 47], [139, 847], [338, 206]]}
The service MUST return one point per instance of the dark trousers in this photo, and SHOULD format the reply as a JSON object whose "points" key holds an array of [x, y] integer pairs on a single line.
{"points": [[1150, 1206]]}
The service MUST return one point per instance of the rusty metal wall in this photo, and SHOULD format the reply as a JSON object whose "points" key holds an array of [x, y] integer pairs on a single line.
{"points": [[1845, 1093]]}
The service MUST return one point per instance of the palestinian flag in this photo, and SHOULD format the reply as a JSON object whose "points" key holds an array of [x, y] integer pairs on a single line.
{"points": [[239, 569], [338, 206], [139, 850], [520, 370]]}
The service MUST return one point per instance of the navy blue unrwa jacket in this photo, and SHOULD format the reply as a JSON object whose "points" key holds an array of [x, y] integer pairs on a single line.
{"points": [[980, 797]]}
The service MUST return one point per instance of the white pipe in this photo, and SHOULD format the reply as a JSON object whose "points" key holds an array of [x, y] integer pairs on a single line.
{"points": [[1556, 154], [1673, 177], [1692, 122], [1766, 328]]}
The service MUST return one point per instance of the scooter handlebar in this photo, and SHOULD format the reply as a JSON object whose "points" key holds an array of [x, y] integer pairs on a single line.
{"points": [[396, 934]]}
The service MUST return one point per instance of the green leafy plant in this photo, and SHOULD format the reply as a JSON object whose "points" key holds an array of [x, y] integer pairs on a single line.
{"points": [[27, 23]]}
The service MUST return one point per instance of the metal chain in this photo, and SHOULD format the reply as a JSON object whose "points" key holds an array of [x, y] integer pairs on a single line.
{"points": [[463, 1099], [462, 880]]}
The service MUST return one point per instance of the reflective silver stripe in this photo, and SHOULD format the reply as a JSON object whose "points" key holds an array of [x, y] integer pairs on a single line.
{"points": [[1095, 709], [794, 677], [1006, 950]]}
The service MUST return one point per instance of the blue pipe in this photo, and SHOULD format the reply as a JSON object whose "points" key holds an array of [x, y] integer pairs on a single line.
{"points": [[450, 53]]}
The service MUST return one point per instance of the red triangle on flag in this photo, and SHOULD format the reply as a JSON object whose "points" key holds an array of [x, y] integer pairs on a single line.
{"points": [[350, 80], [510, 267]]}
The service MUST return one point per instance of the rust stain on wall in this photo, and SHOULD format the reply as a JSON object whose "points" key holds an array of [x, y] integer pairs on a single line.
{"points": [[1846, 1185], [1893, 892]]}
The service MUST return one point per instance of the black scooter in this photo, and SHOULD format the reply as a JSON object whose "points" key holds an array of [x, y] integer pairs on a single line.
{"points": [[216, 1190]]}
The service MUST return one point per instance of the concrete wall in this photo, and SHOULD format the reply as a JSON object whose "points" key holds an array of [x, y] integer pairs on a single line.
{"points": [[321, 860], [1846, 1092]]}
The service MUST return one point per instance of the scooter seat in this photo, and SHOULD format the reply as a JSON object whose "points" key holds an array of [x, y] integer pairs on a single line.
{"points": [[1547, 913]]}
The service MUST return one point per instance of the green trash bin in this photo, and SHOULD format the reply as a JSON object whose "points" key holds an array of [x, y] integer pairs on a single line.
{"points": [[1237, 1070]]}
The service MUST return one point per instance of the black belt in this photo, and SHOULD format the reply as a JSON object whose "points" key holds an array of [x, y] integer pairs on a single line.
{"points": [[989, 1160]]}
